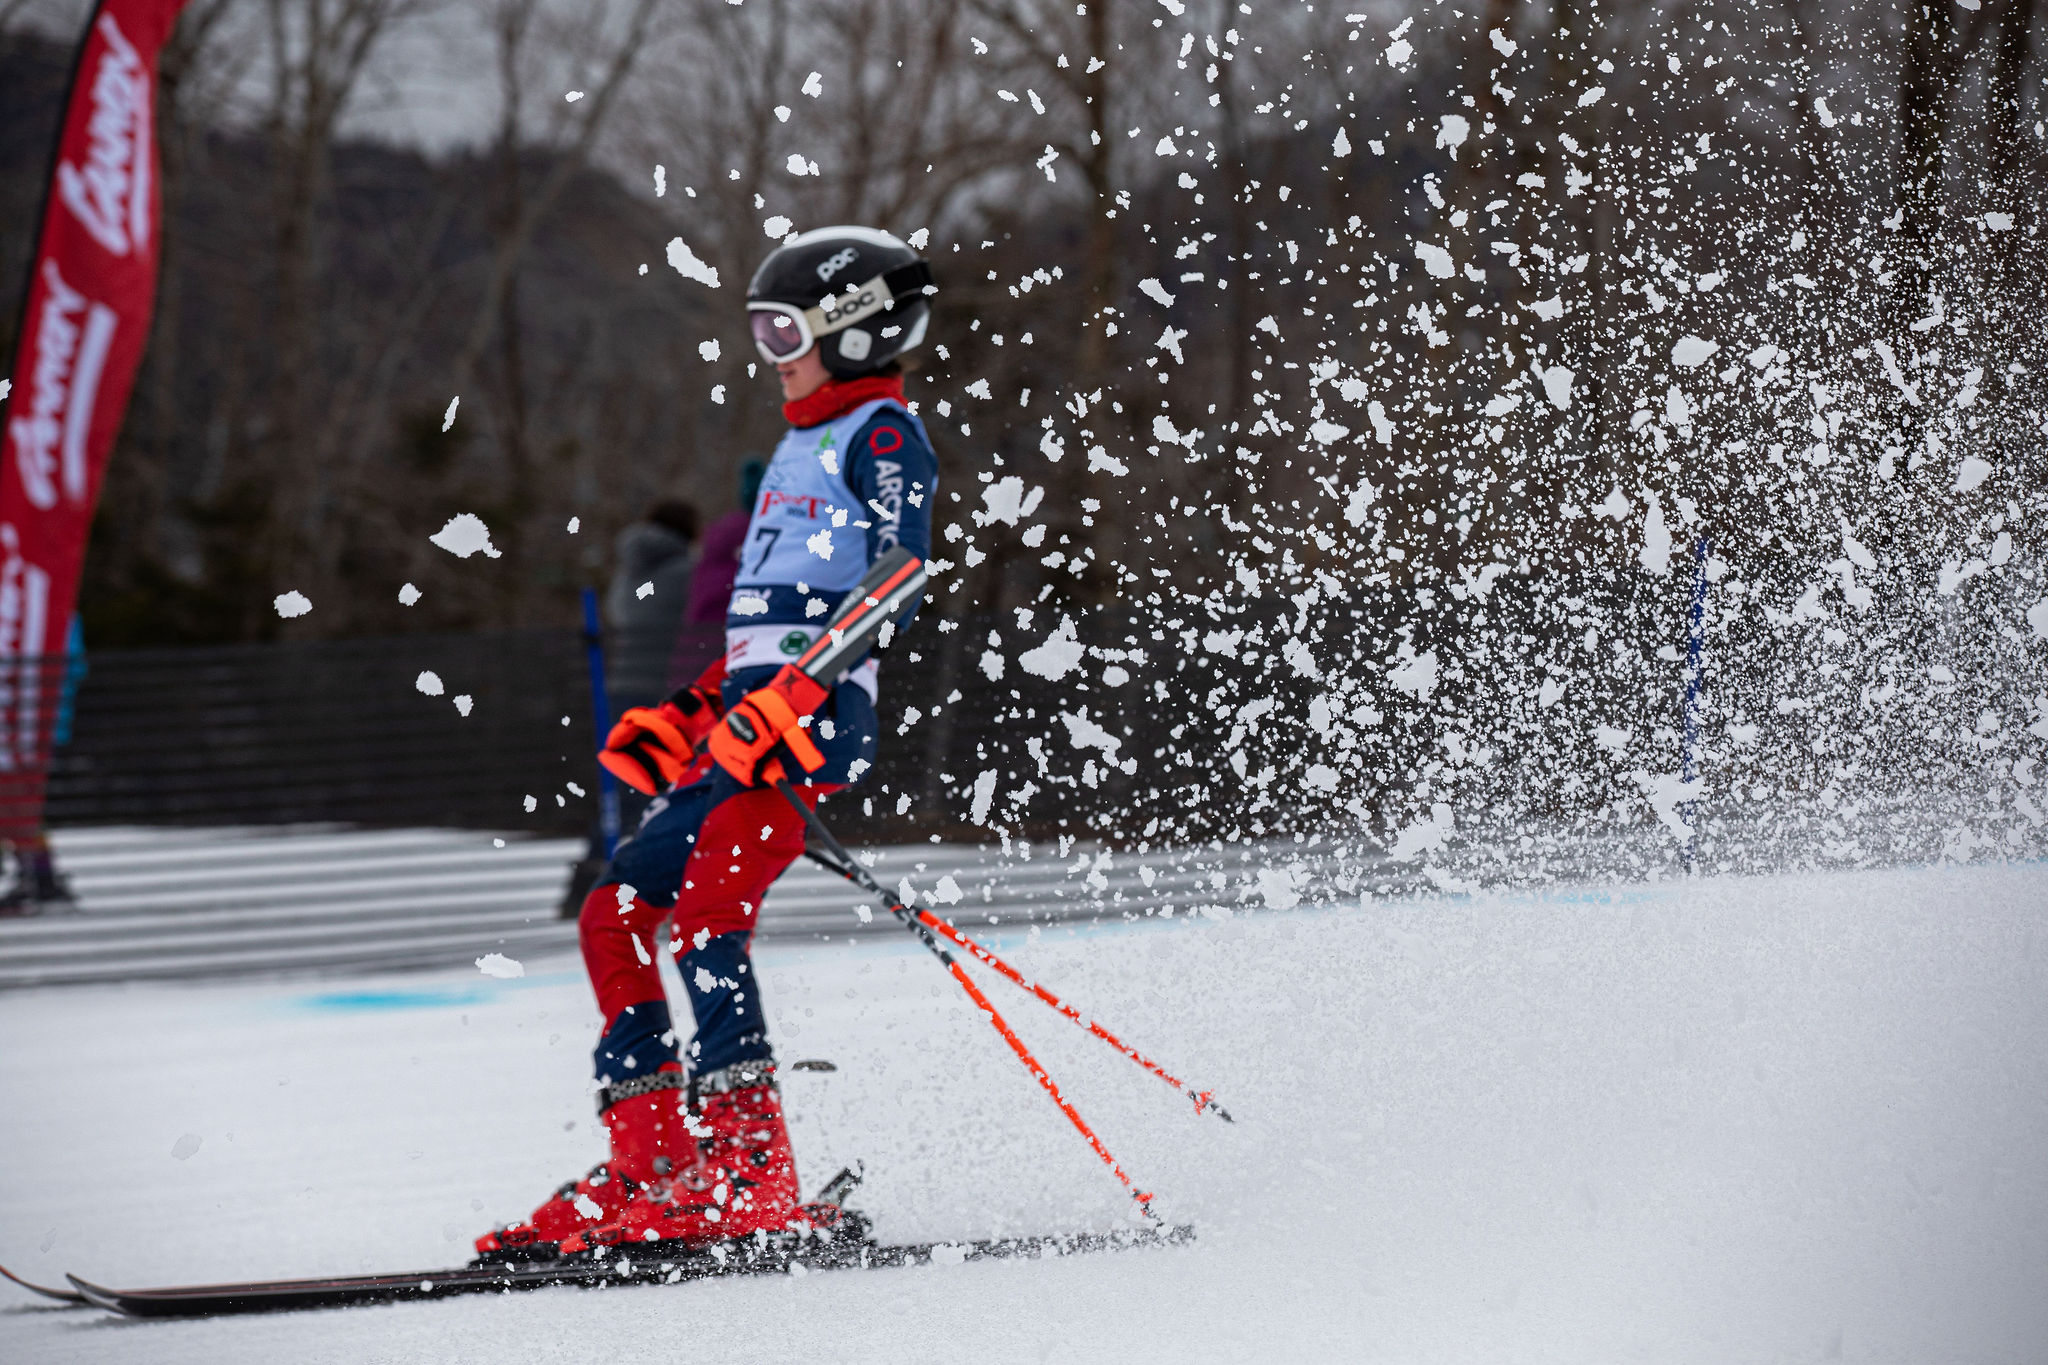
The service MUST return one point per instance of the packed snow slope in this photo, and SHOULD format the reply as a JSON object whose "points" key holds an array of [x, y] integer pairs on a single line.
{"points": [[1771, 1119]]}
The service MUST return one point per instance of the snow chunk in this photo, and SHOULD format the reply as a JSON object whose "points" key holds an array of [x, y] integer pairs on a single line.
{"points": [[408, 595], [747, 604], [1382, 425], [500, 966], [1355, 506], [1911, 392], [1677, 411], [1656, 555], [1425, 835], [1417, 677], [1551, 691], [1971, 473], [1666, 793], [1399, 51], [1616, 508], [1320, 777], [1692, 352], [1276, 885], [708, 350], [293, 603], [1823, 113], [1100, 459], [1607, 737], [1327, 433], [686, 264], [1435, 260], [1854, 549], [820, 544], [1592, 95], [464, 535], [1557, 387], [2037, 617], [429, 682], [1084, 733], [1452, 132], [448, 417], [1998, 222], [1152, 289], [1300, 659], [1340, 145], [984, 795], [1007, 502], [186, 1147], [777, 227], [1058, 656]]}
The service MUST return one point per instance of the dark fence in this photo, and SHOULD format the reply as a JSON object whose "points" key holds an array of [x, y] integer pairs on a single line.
{"points": [[1526, 706], [331, 732], [341, 732]]}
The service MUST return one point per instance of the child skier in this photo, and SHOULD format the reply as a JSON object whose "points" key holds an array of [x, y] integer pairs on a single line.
{"points": [[700, 1152]]}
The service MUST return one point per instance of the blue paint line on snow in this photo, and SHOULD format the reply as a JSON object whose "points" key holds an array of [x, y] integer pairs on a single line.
{"points": [[426, 997]]}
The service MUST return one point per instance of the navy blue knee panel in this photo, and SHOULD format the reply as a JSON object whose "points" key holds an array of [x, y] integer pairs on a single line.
{"points": [[725, 996], [639, 1043]]}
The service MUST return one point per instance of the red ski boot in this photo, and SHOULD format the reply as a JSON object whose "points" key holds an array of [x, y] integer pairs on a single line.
{"points": [[648, 1120], [744, 1179]]}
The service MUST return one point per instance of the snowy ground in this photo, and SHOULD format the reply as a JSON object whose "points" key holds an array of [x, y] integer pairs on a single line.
{"points": [[1743, 1120]]}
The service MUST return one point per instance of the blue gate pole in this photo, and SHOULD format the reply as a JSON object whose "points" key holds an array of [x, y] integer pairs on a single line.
{"points": [[601, 710], [1695, 650]]}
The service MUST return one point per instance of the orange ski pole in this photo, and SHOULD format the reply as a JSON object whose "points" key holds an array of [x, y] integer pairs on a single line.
{"points": [[854, 872], [1205, 1101]]}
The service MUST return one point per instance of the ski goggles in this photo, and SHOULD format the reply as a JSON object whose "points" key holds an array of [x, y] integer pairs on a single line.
{"points": [[783, 331]]}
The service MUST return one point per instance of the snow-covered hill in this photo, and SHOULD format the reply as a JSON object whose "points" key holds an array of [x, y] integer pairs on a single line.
{"points": [[1772, 1119]]}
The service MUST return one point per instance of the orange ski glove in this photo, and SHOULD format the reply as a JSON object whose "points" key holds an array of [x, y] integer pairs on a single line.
{"points": [[765, 719], [654, 747]]}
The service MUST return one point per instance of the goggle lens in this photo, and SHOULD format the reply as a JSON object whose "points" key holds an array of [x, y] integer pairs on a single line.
{"points": [[778, 335]]}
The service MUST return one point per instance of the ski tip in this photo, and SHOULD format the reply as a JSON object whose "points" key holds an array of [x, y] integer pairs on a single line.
{"points": [[60, 1295], [96, 1295]]}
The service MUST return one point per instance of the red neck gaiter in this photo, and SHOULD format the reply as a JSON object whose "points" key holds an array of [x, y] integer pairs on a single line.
{"points": [[837, 399]]}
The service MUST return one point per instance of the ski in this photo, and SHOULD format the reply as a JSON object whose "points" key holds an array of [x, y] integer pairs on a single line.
{"points": [[762, 1254], [70, 1296]]}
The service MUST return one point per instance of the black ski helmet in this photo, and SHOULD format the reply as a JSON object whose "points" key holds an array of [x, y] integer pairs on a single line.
{"points": [[859, 295]]}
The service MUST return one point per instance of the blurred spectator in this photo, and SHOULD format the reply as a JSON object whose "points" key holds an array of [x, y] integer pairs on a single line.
{"points": [[649, 591], [39, 889], [719, 564], [702, 638]]}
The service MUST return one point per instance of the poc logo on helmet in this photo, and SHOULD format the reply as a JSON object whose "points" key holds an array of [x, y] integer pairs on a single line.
{"points": [[849, 306], [837, 262]]}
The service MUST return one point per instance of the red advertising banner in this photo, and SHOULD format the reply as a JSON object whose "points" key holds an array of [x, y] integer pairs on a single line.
{"points": [[90, 296]]}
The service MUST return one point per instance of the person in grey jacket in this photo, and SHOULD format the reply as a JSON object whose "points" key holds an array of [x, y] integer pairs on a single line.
{"points": [[650, 587]]}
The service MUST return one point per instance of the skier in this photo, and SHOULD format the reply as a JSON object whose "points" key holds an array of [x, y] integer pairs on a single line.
{"points": [[701, 1152]]}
